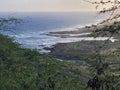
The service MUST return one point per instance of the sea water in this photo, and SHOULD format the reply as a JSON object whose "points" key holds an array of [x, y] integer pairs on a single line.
{"points": [[31, 33]]}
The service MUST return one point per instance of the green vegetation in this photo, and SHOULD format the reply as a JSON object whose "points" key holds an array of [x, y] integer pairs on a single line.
{"points": [[25, 69], [106, 62]]}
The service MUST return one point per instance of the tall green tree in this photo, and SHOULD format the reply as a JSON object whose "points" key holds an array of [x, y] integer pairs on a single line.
{"points": [[106, 74]]}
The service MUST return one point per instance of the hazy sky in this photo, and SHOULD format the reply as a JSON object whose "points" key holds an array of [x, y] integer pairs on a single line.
{"points": [[44, 5]]}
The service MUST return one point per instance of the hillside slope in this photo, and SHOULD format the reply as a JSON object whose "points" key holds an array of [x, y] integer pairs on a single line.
{"points": [[25, 69]]}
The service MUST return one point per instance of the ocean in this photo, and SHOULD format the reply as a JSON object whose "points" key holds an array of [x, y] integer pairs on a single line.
{"points": [[31, 33]]}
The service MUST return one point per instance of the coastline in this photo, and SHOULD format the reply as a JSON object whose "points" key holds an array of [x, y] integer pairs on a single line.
{"points": [[80, 50]]}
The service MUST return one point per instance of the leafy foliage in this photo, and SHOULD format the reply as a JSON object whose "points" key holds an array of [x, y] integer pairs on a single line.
{"points": [[25, 69], [107, 6], [9, 23], [106, 75]]}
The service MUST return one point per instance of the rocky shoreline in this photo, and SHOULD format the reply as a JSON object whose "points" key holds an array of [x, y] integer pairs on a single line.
{"points": [[79, 51]]}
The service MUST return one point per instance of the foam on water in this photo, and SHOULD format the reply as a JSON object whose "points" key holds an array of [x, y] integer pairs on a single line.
{"points": [[40, 40], [33, 32], [72, 35]]}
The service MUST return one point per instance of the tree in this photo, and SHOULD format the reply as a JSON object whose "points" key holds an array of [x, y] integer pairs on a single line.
{"points": [[9, 23], [107, 6], [108, 79]]}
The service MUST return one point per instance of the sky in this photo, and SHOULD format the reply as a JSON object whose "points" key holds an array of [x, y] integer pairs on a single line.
{"points": [[45, 6]]}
